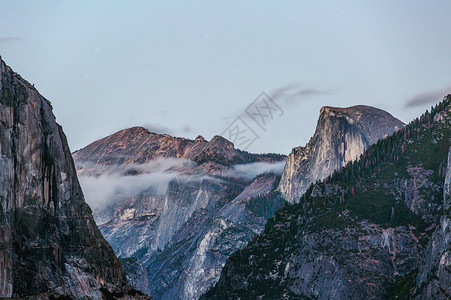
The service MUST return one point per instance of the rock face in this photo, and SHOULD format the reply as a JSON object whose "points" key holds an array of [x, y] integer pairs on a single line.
{"points": [[136, 274], [434, 278], [366, 233], [341, 136], [49, 242], [199, 201], [329, 264], [447, 187], [193, 259]]}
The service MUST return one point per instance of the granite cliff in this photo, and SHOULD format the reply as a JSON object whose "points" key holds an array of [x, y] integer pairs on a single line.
{"points": [[50, 245], [341, 136], [434, 277]]}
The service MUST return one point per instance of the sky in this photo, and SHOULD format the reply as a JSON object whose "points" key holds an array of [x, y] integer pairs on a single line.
{"points": [[190, 68]]}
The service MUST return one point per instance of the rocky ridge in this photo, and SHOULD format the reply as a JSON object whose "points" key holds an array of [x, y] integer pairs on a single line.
{"points": [[138, 145]]}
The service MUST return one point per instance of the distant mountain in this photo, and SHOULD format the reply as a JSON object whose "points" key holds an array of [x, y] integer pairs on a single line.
{"points": [[180, 206], [341, 136], [208, 202], [49, 243], [138, 145], [379, 228]]}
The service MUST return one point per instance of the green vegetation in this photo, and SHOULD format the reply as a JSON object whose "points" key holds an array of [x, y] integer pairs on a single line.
{"points": [[403, 287], [369, 187], [266, 205], [376, 188]]}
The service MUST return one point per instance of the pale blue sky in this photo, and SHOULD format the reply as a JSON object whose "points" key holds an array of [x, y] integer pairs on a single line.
{"points": [[189, 69]]}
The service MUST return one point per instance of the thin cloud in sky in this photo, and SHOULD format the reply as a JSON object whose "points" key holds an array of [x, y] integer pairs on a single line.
{"points": [[288, 95], [157, 128], [8, 39], [427, 97], [293, 94], [161, 129], [187, 129]]}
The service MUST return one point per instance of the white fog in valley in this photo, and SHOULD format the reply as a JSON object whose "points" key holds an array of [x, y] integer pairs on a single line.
{"points": [[105, 185], [249, 171]]}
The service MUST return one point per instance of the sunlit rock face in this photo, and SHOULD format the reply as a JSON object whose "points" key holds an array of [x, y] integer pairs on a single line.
{"points": [[49, 242], [341, 136], [180, 206], [138, 145]]}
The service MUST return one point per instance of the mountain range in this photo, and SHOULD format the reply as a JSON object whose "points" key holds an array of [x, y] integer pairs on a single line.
{"points": [[362, 211], [183, 229]]}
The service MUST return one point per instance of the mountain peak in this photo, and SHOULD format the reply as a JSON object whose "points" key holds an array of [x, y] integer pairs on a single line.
{"points": [[200, 138], [135, 130], [352, 110], [381, 209], [139, 145], [219, 140], [341, 135]]}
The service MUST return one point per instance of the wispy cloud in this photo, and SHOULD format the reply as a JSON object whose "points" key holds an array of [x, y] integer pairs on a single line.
{"points": [[8, 39], [427, 97], [296, 93], [101, 191], [161, 129], [187, 129], [104, 185], [157, 128], [285, 96], [252, 170]]}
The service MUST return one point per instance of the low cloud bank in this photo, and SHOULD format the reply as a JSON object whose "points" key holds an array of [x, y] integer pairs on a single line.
{"points": [[104, 185], [105, 189], [250, 171]]}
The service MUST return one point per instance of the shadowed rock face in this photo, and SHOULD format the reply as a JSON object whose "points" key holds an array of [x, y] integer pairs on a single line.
{"points": [[136, 274], [342, 134], [447, 187], [49, 243], [434, 278]]}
